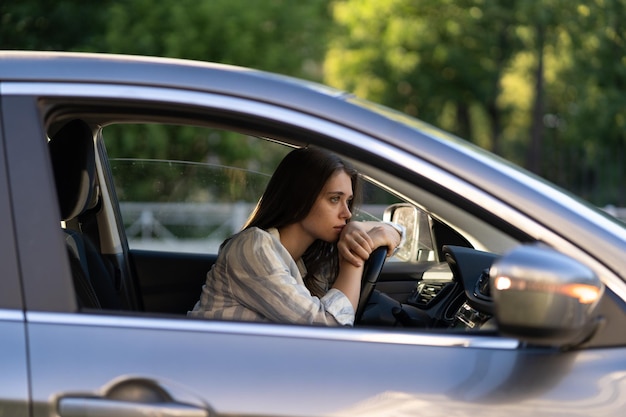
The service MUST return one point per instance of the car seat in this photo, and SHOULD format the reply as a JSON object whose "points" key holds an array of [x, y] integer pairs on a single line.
{"points": [[96, 279]]}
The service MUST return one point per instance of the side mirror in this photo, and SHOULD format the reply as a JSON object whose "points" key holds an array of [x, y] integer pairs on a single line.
{"points": [[418, 243], [544, 297]]}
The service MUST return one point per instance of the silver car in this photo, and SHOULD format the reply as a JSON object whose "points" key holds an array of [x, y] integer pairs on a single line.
{"points": [[120, 176]]}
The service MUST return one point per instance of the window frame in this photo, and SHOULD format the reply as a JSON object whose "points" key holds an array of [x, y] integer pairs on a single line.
{"points": [[116, 102], [11, 293], [45, 273]]}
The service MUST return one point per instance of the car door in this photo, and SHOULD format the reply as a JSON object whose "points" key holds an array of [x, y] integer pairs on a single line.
{"points": [[134, 362], [14, 394]]}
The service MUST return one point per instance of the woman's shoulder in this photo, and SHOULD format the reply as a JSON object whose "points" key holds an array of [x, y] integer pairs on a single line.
{"points": [[254, 233], [254, 243], [251, 237]]}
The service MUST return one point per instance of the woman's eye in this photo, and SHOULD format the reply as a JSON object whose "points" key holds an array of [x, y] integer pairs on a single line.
{"points": [[334, 199]]}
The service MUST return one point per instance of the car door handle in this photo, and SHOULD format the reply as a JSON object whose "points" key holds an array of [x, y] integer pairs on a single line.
{"points": [[103, 407], [132, 397]]}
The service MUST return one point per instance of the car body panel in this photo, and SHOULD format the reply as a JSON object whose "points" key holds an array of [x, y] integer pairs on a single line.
{"points": [[437, 370], [14, 377], [14, 389]]}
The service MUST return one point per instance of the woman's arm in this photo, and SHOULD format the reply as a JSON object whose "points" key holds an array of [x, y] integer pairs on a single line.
{"points": [[349, 281], [262, 277]]}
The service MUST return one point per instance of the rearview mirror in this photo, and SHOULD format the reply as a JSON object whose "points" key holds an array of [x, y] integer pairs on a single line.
{"points": [[544, 297]]}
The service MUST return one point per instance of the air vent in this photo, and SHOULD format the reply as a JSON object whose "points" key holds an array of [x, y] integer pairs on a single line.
{"points": [[427, 291]]}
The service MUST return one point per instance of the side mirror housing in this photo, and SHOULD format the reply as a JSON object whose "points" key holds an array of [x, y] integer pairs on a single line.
{"points": [[418, 243], [544, 297]]}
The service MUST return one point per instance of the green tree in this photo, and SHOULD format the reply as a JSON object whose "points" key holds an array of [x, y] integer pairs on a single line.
{"points": [[591, 101], [275, 35], [439, 60], [64, 25], [512, 76]]}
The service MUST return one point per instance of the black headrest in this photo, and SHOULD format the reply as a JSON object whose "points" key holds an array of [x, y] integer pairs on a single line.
{"points": [[74, 164]]}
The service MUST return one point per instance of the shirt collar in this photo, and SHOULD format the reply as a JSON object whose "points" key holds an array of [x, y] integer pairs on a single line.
{"points": [[299, 262]]}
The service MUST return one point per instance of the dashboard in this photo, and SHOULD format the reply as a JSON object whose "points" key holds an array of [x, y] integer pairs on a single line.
{"points": [[451, 294]]}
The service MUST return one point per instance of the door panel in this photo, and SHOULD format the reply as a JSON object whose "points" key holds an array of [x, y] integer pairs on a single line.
{"points": [[169, 282], [257, 369], [399, 279], [14, 397]]}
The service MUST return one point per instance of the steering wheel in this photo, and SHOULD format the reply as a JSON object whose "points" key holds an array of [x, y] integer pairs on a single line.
{"points": [[371, 272]]}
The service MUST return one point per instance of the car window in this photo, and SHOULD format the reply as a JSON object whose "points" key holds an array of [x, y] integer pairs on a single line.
{"points": [[183, 188], [186, 189]]}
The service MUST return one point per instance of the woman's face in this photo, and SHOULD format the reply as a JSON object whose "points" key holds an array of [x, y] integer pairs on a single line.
{"points": [[330, 212]]}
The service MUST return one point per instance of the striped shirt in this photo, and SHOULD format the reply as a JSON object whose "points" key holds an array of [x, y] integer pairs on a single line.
{"points": [[255, 279]]}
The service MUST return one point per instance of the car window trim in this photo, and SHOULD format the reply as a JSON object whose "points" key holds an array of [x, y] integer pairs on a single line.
{"points": [[277, 330], [11, 296], [11, 315], [38, 242]]}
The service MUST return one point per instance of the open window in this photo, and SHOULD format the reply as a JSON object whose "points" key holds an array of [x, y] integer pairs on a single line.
{"points": [[187, 188]]}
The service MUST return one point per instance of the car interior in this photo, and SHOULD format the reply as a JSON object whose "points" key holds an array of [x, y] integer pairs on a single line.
{"points": [[97, 281], [111, 272]]}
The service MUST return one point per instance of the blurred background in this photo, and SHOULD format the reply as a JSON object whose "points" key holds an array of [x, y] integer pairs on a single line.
{"points": [[541, 83]]}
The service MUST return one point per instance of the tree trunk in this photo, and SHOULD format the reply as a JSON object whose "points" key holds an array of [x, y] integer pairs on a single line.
{"points": [[533, 159], [463, 121]]}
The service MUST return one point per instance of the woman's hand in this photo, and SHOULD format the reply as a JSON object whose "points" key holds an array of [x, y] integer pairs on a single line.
{"points": [[355, 244], [384, 234], [359, 239]]}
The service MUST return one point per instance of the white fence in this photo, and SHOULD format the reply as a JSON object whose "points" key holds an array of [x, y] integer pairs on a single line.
{"points": [[153, 225]]}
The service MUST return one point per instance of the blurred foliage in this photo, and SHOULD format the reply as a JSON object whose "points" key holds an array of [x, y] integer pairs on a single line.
{"points": [[275, 35], [540, 83], [174, 163], [440, 61], [63, 25]]}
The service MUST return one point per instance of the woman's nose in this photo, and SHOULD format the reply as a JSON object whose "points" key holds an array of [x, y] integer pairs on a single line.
{"points": [[346, 213]]}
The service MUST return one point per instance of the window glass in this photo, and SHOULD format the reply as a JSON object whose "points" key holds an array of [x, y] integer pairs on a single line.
{"points": [[186, 188]]}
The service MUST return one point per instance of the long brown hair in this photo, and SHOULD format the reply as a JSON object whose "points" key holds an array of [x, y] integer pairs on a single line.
{"points": [[290, 195]]}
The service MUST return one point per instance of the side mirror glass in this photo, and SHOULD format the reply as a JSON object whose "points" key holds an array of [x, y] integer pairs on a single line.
{"points": [[418, 244], [544, 297]]}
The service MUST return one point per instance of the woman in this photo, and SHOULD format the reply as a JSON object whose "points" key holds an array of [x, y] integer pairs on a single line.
{"points": [[298, 259]]}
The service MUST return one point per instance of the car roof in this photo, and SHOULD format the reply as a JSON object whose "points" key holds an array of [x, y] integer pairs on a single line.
{"points": [[152, 71]]}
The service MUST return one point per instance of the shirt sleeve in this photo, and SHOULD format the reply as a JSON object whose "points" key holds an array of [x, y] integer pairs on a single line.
{"points": [[265, 279]]}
